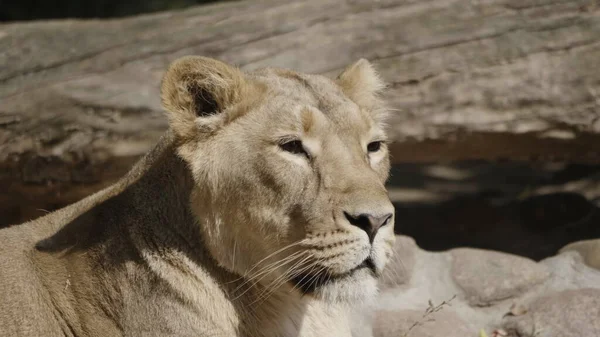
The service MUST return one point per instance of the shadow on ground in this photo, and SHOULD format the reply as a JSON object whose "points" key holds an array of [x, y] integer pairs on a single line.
{"points": [[515, 208]]}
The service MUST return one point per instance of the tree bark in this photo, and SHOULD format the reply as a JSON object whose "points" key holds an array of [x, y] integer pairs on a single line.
{"points": [[495, 79]]}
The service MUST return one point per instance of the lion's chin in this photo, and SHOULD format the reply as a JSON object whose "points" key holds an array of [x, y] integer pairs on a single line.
{"points": [[358, 287]]}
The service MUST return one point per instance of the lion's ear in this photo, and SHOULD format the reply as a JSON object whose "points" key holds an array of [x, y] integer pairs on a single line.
{"points": [[196, 89], [361, 83]]}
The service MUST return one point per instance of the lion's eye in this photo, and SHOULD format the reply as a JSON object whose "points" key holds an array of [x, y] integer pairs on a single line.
{"points": [[374, 146], [294, 146]]}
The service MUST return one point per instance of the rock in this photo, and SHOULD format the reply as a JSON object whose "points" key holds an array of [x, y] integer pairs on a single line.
{"points": [[487, 277], [482, 277], [399, 270], [570, 313], [589, 251], [399, 323]]}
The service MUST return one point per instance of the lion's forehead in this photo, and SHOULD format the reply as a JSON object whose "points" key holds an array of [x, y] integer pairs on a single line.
{"points": [[291, 97]]}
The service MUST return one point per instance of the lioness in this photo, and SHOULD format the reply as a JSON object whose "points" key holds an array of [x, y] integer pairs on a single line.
{"points": [[261, 212]]}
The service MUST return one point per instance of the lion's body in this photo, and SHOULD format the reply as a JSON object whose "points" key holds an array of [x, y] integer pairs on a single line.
{"points": [[159, 253], [93, 278]]}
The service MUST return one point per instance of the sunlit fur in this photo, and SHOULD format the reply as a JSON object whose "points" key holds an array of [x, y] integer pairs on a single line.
{"points": [[252, 199], [222, 229]]}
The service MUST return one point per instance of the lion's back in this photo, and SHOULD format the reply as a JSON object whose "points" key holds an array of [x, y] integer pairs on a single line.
{"points": [[25, 306]]}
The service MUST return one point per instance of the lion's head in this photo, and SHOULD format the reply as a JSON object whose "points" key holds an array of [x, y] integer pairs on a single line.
{"points": [[289, 171]]}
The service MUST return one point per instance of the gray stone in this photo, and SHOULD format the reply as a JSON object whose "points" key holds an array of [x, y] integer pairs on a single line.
{"points": [[487, 277], [400, 268], [570, 313], [399, 323], [589, 251]]}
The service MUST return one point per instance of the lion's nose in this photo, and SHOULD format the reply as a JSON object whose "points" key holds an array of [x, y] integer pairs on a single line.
{"points": [[368, 222]]}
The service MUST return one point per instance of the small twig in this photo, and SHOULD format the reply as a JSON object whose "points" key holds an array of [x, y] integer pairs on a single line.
{"points": [[431, 309]]}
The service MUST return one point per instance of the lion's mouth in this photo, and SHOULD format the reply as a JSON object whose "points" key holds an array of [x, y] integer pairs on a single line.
{"points": [[307, 283]]}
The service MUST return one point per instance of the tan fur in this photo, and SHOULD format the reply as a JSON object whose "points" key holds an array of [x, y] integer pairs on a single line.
{"points": [[210, 233]]}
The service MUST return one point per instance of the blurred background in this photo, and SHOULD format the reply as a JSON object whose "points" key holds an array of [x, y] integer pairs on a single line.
{"points": [[496, 123], [13, 10]]}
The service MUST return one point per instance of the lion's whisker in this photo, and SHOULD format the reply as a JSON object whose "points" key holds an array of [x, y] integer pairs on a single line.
{"points": [[249, 271], [316, 275], [275, 265], [269, 289], [291, 272], [255, 278], [265, 271]]}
